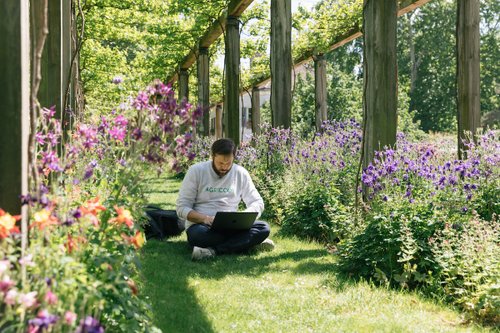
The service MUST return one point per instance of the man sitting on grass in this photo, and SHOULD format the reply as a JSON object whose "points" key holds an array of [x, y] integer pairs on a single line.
{"points": [[220, 185]]}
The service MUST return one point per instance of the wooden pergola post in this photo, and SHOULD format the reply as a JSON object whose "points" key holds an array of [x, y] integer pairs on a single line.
{"points": [[255, 110], [232, 87], [15, 101], [51, 87], [468, 80], [67, 54], [320, 90], [218, 121], [380, 76], [203, 88], [183, 84], [281, 63]]}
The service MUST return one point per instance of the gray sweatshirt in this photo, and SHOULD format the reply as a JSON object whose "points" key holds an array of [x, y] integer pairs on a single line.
{"points": [[206, 192]]}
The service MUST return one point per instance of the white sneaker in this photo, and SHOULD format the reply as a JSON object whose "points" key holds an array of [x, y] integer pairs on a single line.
{"points": [[200, 253], [266, 246]]}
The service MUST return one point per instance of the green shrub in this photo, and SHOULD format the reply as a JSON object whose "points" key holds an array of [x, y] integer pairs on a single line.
{"points": [[393, 247], [468, 271], [313, 210]]}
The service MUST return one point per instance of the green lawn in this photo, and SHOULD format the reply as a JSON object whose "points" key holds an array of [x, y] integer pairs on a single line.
{"points": [[292, 289]]}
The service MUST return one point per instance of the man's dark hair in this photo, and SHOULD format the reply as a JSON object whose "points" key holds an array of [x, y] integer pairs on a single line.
{"points": [[224, 146]]}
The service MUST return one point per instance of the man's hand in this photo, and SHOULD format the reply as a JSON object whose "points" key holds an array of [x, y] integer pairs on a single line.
{"points": [[197, 217], [209, 220]]}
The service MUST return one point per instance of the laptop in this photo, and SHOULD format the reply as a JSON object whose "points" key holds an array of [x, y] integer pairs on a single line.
{"points": [[234, 220]]}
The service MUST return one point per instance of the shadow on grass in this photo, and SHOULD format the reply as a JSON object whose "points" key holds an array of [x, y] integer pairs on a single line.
{"points": [[167, 269]]}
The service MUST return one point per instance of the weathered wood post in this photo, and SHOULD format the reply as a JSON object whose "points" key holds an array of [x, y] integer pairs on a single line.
{"points": [[67, 56], [51, 87], [183, 84], [232, 88], [15, 101], [320, 90], [255, 110], [380, 76], [203, 88], [218, 121], [468, 64], [281, 63]]}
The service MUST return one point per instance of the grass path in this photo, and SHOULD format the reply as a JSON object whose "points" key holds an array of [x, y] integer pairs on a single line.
{"points": [[292, 289]]}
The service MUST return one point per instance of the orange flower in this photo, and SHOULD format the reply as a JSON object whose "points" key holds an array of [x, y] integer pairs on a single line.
{"points": [[8, 223], [90, 210], [137, 240], [124, 216], [70, 244], [93, 206], [43, 219], [133, 287]]}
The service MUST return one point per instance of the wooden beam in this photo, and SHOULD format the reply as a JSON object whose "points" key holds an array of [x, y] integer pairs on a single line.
{"points": [[468, 80], [235, 9]]}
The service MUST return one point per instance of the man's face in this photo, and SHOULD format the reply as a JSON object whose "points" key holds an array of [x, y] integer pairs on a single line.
{"points": [[222, 164]]}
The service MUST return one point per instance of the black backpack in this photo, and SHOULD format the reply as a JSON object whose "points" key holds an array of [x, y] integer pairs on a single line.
{"points": [[162, 223]]}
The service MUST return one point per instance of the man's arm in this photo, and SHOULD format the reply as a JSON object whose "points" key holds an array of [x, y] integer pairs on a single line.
{"points": [[187, 198], [251, 196]]}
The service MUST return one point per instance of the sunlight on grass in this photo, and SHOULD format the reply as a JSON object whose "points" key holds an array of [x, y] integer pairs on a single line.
{"points": [[292, 289]]}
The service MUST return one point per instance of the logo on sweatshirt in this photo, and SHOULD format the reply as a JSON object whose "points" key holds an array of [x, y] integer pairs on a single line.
{"points": [[219, 189]]}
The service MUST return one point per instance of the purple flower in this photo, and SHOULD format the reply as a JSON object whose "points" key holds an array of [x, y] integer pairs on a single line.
{"points": [[137, 134], [120, 120], [90, 325], [118, 133], [49, 113], [117, 80], [43, 320]]}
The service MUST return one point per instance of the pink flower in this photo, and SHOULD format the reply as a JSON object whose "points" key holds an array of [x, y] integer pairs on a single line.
{"points": [[120, 120], [118, 133], [70, 318], [11, 297], [27, 261], [28, 300], [6, 284], [50, 298], [4, 266]]}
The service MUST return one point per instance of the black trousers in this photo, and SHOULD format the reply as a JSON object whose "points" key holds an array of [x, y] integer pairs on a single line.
{"points": [[230, 241]]}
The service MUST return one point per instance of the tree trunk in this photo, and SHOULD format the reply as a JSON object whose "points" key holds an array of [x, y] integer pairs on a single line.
{"points": [[203, 89], [320, 90], [467, 71], [281, 63], [255, 110], [232, 64], [380, 76]]}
